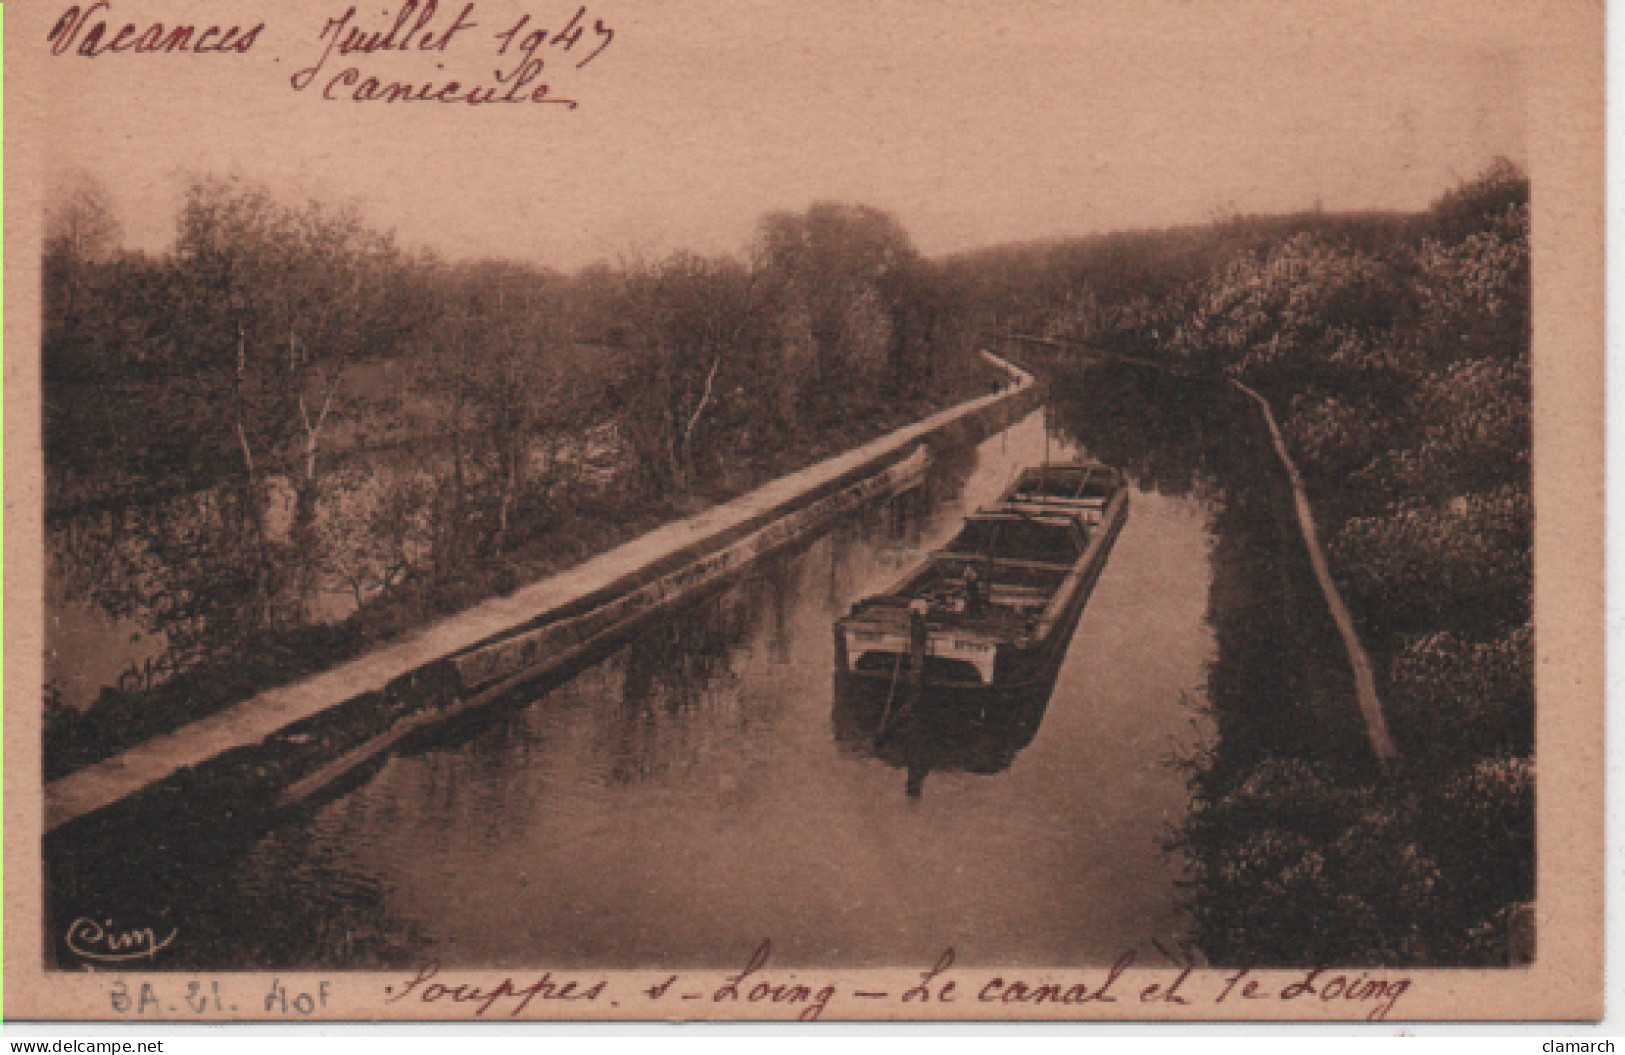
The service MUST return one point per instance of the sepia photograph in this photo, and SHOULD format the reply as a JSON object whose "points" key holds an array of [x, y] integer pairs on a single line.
{"points": [[919, 509]]}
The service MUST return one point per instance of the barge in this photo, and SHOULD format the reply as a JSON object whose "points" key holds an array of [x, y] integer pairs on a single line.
{"points": [[987, 619]]}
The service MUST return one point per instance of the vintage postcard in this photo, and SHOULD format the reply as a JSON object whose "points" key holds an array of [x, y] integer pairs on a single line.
{"points": [[918, 509]]}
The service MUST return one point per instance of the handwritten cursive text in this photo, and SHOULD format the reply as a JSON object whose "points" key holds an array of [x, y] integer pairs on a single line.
{"points": [[76, 27]]}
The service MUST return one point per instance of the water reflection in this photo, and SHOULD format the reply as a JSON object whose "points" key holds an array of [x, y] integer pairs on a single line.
{"points": [[937, 732], [1281, 681], [1170, 435]]}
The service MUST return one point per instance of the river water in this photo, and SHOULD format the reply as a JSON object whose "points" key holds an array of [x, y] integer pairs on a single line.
{"points": [[700, 789]]}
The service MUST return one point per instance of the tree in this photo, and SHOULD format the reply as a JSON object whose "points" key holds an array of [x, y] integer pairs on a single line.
{"points": [[281, 299], [1478, 203], [81, 234], [517, 375], [830, 269], [81, 224], [688, 322]]}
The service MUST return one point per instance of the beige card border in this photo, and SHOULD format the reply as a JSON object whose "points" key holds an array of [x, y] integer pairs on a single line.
{"points": [[1566, 167]]}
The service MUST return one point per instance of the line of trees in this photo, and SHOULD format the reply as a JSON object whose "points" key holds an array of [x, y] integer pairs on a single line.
{"points": [[288, 406]]}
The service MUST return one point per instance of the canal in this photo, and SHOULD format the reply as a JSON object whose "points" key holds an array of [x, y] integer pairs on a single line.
{"points": [[700, 789]]}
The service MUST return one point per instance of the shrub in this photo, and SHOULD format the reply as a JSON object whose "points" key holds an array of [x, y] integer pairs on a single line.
{"points": [[1452, 699], [1293, 867], [1467, 565]]}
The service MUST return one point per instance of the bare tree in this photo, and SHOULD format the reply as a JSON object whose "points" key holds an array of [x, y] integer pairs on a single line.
{"points": [[80, 222]]}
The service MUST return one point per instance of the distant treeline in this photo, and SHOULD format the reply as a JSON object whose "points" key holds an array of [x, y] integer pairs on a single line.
{"points": [[261, 307], [287, 404], [1396, 351]]}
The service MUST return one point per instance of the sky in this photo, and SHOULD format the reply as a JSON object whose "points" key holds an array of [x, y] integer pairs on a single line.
{"points": [[973, 123]]}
